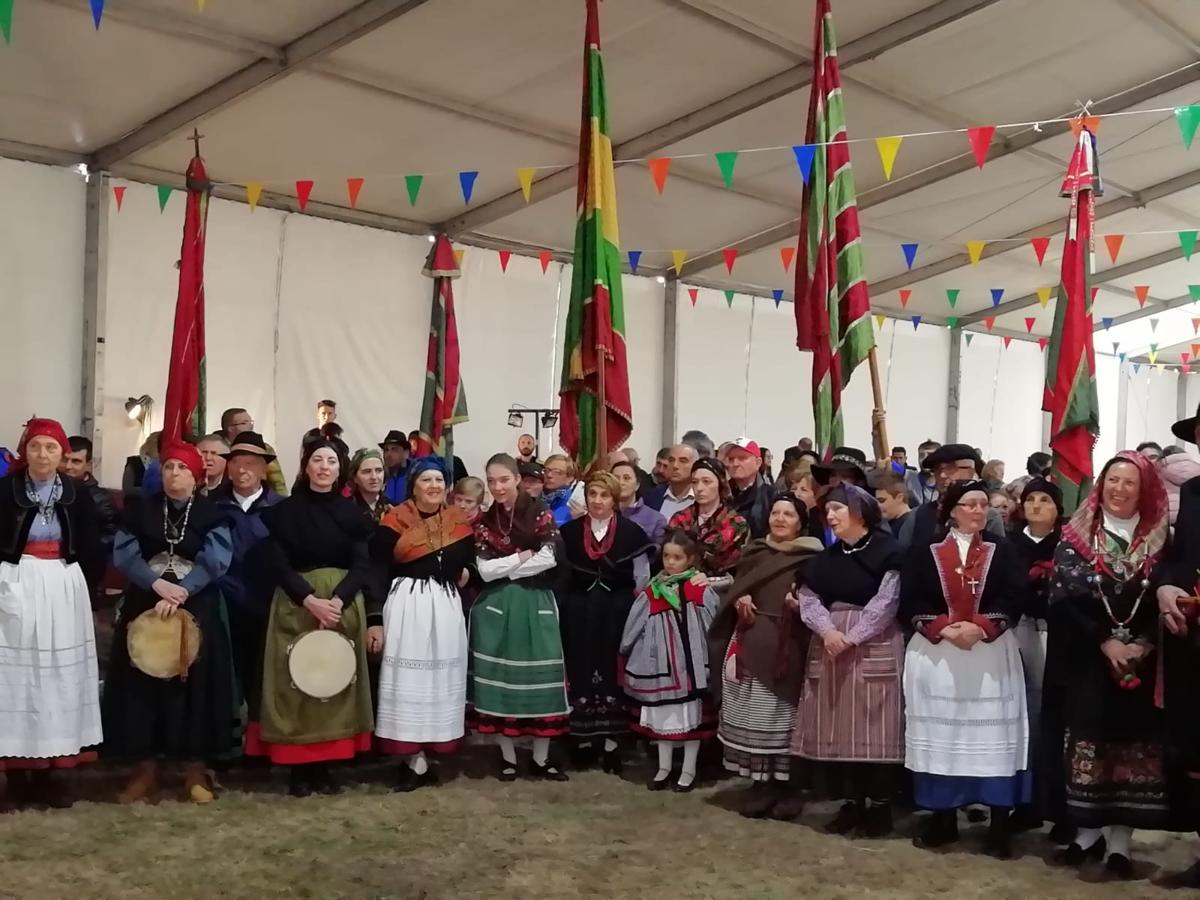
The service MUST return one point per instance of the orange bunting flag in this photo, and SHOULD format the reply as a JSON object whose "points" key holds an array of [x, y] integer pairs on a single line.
{"points": [[1113, 243], [677, 259], [1195, 349], [303, 192], [525, 177], [254, 191], [505, 256], [989, 322], [1043, 295], [888, 147], [1029, 322], [119, 195], [659, 166], [975, 251], [1092, 123], [1141, 291], [1039, 248], [1007, 341], [905, 293], [1195, 326], [730, 254], [786, 255], [354, 187], [980, 138], [544, 257], [693, 293], [458, 257]]}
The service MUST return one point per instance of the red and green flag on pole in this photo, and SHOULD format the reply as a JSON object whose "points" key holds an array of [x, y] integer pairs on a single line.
{"points": [[184, 407], [595, 411], [833, 307], [445, 401], [1070, 394]]}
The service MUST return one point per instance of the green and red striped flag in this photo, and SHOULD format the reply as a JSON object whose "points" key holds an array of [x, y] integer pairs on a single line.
{"points": [[184, 406], [1070, 394], [833, 308], [595, 412], [445, 401]]}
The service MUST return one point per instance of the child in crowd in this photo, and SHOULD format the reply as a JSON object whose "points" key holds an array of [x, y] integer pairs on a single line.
{"points": [[468, 496]]}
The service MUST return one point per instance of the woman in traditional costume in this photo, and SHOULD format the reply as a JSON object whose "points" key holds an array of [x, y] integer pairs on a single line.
{"points": [[50, 551], [966, 733], [601, 548], [667, 673], [517, 679], [366, 480], [758, 645], [1104, 621], [317, 555], [712, 523], [169, 691], [1035, 536], [851, 721], [651, 521], [427, 548]]}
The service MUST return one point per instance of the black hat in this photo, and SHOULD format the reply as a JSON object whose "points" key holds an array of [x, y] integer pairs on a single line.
{"points": [[532, 469], [1185, 429], [395, 436], [250, 443], [948, 453], [845, 459]]}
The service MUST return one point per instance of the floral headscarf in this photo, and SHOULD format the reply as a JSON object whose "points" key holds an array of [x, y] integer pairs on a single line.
{"points": [[1150, 536]]}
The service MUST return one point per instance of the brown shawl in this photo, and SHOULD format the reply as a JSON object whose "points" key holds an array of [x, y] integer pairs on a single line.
{"points": [[773, 649], [421, 536]]}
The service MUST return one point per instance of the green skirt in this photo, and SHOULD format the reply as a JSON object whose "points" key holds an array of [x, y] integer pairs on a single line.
{"points": [[287, 715], [516, 654]]}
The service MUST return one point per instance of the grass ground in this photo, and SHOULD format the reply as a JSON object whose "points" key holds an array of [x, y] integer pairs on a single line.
{"points": [[597, 836]]}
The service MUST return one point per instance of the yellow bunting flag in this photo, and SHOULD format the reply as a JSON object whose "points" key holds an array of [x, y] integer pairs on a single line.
{"points": [[975, 251], [1044, 295], [677, 258], [254, 191], [525, 176], [888, 147], [1153, 354], [879, 320], [200, 5], [458, 257]]}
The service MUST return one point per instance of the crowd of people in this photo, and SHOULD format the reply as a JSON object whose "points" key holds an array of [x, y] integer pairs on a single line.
{"points": [[860, 630]]}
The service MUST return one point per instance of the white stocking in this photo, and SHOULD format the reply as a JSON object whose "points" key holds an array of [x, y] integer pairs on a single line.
{"points": [[541, 750], [666, 750], [691, 752], [507, 749], [1118, 839], [609, 745], [418, 763], [1085, 837]]}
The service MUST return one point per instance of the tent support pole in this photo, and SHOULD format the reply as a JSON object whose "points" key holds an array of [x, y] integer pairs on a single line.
{"points": [[954, 383], [95, 313], [1122, 404], [670, 357], [1181, 404]]}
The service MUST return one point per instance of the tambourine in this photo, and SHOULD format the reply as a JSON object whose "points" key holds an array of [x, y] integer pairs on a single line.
{"points": [[164, 648], [322, 664]]}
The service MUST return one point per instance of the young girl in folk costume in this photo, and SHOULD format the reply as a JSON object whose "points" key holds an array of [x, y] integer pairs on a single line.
{"points": [[517, 683], [666, 670]]}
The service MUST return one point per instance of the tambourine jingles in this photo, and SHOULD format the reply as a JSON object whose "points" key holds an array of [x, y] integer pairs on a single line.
{"points": [[164, 648], [322, 664]]}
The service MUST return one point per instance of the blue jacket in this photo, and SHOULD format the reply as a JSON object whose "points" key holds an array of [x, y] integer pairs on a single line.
{"points": [[559, 503], [240, 585], [396, 486]]}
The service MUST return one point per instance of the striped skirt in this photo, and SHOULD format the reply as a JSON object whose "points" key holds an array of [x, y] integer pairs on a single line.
{"points": [[852, 707], [755, 728]]}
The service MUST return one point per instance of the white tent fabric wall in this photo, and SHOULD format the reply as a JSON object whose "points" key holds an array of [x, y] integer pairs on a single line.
{"points": [[1000, 400], [1153, 399], [41, 285]]}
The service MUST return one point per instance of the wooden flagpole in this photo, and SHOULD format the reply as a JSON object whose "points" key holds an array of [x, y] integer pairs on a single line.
{"points": [[879, 414]]}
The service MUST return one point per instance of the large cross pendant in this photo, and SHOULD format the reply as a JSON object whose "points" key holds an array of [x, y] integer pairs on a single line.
{"points": [[973, 584]]}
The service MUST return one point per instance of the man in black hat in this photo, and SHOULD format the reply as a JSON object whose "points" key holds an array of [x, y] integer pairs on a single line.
{"points": [[847, 465], [949, 463], [533, 477], [395, 449]]}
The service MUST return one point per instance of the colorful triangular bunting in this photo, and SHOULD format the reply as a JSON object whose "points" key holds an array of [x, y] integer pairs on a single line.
{"points": [[1029, 323], [458, 257], [525, 179], [1141, 291], [975, 251], [910, 254], [951, 321], [970, 337], [997, 293], [354, 187], [1187, 243], [1153, 324], [164, 194], [786, 255], [635, 257], [303, 192], [979, 139], [726, 160], [254, 191], [97, 11], [1043, 295], [730, 254], [952, 296], [677, 259], [412, 184], [1113, 242], [989, 322], [1194, 292], [6, 16], [1042, 342], [545, 257], [888, 147], [1039, 248], [118, 192], [916, 320], [905, 294], [804, 159], [729, 295], [1106, 321], [659, 167], [1007, 340], [777, 296], [1187, 118], [693, 293], [466, 181], [879, 320]]}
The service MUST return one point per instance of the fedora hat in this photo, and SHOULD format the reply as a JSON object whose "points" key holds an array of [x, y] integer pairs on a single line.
{"points": [[1185, 429], [252, 443], [845, 459], [395, 436]]}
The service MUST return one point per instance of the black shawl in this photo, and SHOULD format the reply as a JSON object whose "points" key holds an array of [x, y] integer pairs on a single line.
{"points": [[853, 575]]}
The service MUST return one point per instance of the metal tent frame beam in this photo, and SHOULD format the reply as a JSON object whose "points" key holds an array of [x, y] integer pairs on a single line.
{"points": [[745, 100], [339, 31]]}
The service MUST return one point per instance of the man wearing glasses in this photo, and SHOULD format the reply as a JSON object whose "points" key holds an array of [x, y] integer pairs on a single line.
{"points": [[948, 464]]}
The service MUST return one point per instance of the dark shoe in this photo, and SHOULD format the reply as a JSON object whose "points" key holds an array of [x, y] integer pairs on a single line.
{"points": [[1188, 878], [1062, 833], [686, 788], [760, 802], [611, 762], [876, 821], [325, 783], [999, 836], [976, 815], [547, 772], [1076, 856], [940, 830], [659, 784], [47, 790], [298, 783], [848, 818], [582, 757], [790, 802], [16, 789], [1119, 867], [1024, 818], [507, 772], [410, 780]]}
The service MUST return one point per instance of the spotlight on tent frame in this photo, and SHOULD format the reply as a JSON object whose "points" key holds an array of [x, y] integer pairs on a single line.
{"points": [[515, 419], [137, 408], [549, 419]]}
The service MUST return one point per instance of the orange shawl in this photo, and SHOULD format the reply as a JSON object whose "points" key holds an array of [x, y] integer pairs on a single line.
{"points": [[420, 537]]}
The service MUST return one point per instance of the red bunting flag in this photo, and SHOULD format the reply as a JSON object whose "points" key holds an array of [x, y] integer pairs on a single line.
{"points": [[693, 293], [544, 257], [730, 254], [303, 192], [505, 256], [905, 293], [1141, 291], [659, 166], [787, 254], [1184, 356], [353, 187], [980, 138], [989, 322], [1029, 320], [119, 195], [1007, 341], [1042, 342], [1113, 243], [1040, 244]]}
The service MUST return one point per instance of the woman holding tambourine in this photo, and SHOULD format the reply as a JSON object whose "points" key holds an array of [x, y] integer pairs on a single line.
{"points": [[316, 696], [169, 691]]}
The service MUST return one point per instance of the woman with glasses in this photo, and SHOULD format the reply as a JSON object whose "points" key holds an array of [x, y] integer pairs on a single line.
{"points": [[966, 737]]}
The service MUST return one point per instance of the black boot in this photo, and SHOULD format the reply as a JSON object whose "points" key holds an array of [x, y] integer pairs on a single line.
{"points": [[323, 780], [940, 830], [789, 802], [610, 761], [1062, 833], [760, 801], [46, 789], [1024, 818], [299, 784], [999, 836], [877, 821], [846, 820]]}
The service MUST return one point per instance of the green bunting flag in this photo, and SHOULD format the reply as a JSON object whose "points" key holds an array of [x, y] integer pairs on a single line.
{"points": [[726, 161], [164, 194], [952, 321], [1187, 242], [952, 296], [6, 8], [970, 337], [412, 184], [729, 295], [1187, 118], [1194, 292]]}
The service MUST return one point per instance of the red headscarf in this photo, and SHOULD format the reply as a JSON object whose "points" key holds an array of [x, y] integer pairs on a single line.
{"points": [[40, 428], [186, 454], [1150, 536]]}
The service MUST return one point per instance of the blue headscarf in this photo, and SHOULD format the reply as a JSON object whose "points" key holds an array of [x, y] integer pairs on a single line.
{"points": [[426, 464]]}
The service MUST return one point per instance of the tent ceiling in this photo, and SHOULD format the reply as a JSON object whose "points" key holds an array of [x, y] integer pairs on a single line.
{"points": [[331, 89]]}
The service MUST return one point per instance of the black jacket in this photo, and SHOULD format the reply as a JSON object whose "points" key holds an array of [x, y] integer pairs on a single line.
{"points": [[76, 515], [754, 505], [108, 517]]}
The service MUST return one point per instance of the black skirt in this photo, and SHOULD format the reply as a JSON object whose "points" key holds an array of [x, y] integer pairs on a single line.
{"points": [[592, 624]]}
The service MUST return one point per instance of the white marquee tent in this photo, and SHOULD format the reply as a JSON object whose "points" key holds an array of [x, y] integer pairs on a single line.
{"points": [[330, 301]]}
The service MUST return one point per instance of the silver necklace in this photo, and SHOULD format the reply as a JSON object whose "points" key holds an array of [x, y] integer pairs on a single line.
{"points": [[850, 551], [45, 510], [173, 532]]}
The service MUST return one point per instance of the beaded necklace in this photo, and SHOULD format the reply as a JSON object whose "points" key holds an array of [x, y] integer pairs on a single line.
{"points": [[45, 510], [173, 532]]}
